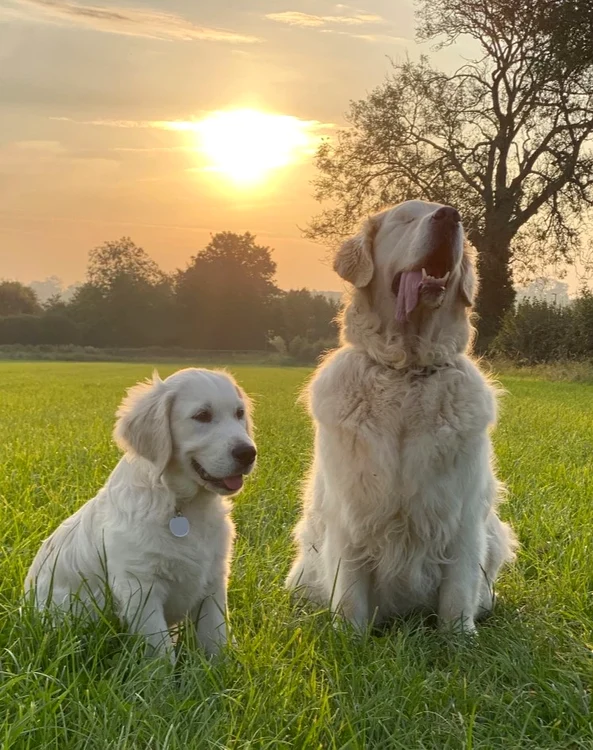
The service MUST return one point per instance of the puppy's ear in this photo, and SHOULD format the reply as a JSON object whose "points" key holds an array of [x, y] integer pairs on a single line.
{"points": [[143, 422], [468, 282], [354, 259], [248, 404]]}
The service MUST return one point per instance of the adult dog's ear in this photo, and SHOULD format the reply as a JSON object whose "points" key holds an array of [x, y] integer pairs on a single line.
{"points": [[143, 422], [354, 259], [468, 281]]}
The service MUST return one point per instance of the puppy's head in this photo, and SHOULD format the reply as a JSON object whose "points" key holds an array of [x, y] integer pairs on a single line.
{"points": [[196, 420], [414, 262]]}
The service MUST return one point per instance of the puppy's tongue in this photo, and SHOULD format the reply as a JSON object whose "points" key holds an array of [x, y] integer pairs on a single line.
{"points": [[407, 296], [233, 483]]}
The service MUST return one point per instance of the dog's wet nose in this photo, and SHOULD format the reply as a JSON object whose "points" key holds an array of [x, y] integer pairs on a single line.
{"points": [[244, 454], [448, 214]]}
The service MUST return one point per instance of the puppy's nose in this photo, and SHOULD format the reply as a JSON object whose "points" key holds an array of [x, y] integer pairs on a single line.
{"points": [[244, 454], [448, 214]]}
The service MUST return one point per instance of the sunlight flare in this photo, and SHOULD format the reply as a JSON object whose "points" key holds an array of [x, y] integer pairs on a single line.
{"points": [[247, 145]]}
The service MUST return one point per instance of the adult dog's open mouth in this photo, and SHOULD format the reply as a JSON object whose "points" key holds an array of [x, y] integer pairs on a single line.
{"points": [[427, 284], [232, 483]]}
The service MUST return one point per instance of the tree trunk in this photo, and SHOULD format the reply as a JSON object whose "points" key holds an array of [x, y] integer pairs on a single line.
{"points": [[496, 292]]}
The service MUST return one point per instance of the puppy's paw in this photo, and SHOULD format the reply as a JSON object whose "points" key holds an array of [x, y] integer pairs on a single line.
{"points": [[162, 654], [461, 626], [358, 627], [215, 646]]}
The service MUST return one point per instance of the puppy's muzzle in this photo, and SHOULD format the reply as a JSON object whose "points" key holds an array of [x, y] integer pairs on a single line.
{"points": [[244, 454]]}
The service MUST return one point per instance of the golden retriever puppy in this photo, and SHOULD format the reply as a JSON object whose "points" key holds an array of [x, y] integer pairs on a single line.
{"points": [[159, 532], [400, 507]]}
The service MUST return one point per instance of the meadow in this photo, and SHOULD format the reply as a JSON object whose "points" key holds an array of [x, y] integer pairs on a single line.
{"points": [[294, 679]]}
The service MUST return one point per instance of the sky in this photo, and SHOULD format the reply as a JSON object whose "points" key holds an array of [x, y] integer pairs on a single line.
{"points": [[170, 120]]}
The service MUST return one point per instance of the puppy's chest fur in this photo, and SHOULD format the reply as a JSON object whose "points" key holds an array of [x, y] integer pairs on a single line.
{"points": [[182, 567]]}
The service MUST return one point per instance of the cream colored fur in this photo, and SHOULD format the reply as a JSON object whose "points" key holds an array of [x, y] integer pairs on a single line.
{"points": [[399, 510], [122, 535]]}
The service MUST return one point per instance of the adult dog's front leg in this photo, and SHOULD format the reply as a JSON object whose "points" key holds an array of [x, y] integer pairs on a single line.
{"points": [[460, 585], [348, 579]]}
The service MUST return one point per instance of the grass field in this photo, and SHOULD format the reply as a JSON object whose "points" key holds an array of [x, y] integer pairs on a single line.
{"points": [[293, 680]]}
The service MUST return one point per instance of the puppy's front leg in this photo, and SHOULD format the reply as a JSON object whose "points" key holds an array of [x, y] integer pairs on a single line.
{"points": [[349, 581], [460, 585], [143, 611], [210, 620]]}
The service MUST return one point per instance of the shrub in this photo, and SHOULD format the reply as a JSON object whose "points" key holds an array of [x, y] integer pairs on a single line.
{"points": [[307, 352], [535, 332], [38, 329]]}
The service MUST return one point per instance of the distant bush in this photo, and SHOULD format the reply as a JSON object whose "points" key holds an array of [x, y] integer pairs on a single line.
{"points": [[306, 352], [53, 329], [278, 345], [535, 332], [73, 353], [538, 332], [581, 338]]}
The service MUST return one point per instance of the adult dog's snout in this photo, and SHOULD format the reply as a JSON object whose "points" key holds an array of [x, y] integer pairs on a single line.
{"points": [[447, 215], [244, 454]]}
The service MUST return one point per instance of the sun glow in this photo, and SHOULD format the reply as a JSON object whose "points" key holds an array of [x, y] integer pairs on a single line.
{"points": [[246, 145]]}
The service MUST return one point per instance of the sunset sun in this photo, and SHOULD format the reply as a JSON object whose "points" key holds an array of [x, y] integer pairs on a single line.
{"points": [[246, 145]]}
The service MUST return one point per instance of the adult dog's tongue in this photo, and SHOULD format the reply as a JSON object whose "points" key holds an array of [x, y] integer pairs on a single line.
{"points": [[415, 283], [233, 483], [407, 296]]}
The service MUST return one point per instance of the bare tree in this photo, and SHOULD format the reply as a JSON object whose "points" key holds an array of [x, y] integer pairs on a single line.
{"points": [[504, 139]]}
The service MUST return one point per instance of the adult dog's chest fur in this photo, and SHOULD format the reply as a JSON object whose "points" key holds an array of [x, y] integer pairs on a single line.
{"points": [[401, 436], [422, 419]]}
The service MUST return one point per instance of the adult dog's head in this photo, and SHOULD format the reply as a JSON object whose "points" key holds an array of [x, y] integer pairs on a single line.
{"points": [[414, 280], [195, 423]]}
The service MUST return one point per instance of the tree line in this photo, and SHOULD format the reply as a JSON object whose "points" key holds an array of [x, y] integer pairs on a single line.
{"points": [[225, 299]]}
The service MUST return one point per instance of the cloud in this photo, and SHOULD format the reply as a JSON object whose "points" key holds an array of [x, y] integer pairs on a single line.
{"points": [[51, 159], [350, 17], [388, 38], [294, 18], [152, 149], [139, 22], [110, 123], [306, 20], [179, 125], [47, 147]]}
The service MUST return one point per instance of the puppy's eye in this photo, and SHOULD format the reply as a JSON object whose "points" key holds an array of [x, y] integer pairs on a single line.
{"points": [[240, 413], [205, 415]]}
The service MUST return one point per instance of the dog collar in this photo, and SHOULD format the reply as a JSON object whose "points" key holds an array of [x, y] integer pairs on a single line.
{"points": [[427, 370]]}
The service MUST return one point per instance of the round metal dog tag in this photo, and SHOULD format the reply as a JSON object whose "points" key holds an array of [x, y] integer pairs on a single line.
{"points": [[179, 526]]}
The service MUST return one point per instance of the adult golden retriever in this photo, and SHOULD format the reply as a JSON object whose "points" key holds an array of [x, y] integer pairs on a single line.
{"points": [[400, 506]]}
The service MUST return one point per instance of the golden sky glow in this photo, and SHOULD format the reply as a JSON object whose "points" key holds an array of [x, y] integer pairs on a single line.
{"points": [[178, 120]]}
